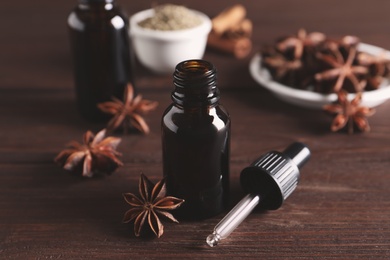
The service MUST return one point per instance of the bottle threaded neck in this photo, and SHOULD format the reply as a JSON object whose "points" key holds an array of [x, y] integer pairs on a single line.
{"points": [[195, 83]]}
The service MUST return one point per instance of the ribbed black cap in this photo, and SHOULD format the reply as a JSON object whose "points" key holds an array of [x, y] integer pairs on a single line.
{"points": [[275, 175]]}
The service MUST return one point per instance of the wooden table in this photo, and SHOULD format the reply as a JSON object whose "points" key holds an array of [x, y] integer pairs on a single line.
{"points": [[340, 210]]}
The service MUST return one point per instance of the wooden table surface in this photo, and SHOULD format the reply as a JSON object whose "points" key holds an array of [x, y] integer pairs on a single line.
{"points": [[340, 210]]}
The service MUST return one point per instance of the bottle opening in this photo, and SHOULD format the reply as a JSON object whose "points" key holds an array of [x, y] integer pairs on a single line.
{"points": [[195, 83], [195, 73], [195, 67]]}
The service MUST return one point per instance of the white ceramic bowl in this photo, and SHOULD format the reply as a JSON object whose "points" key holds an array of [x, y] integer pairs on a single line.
{"points": [[310, 99], [161, 51]]}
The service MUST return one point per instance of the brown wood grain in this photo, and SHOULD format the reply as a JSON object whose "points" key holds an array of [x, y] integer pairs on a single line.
{"points": [[340, 210]]}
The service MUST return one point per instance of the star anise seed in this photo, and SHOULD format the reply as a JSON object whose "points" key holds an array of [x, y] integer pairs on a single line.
{"points": [[128, 113], [152, 204], [349, 113], [97, 154]]}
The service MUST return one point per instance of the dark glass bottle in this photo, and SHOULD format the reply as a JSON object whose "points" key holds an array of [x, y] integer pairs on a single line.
{"points": [[196, 142], [101, 54]]}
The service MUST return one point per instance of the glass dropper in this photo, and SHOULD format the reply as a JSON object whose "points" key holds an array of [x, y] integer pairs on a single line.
{"points": [[226, 226], [269, 181]]}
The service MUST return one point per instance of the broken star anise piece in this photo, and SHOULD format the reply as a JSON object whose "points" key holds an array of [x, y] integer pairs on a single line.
{"points": [[152, 204], [97, 154], [128, 113], [349, 113]]}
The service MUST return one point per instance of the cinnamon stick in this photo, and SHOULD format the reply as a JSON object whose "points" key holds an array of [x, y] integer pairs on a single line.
{"points": [[242, 29], [239, 47], [228, 18]]}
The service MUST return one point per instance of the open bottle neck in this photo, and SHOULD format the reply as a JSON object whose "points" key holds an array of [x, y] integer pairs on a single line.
{"points": [[97, 4], [195, 84], [96, 1]]}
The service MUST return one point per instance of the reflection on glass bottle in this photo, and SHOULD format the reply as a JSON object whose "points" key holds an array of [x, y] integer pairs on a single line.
{"points": [[196, 140], [101, 54]]}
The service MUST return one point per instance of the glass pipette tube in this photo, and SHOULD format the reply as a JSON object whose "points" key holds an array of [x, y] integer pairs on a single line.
{"points": [[226, 226]]}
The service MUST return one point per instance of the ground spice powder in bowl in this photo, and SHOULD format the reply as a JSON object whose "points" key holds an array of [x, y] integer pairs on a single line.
{"points": [[164, 36], [170, 18]]}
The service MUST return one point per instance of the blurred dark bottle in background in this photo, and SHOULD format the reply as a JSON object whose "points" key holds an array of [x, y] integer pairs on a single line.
{"points": [[101, 54]]}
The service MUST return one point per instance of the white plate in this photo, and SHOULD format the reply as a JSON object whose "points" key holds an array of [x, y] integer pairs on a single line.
{"points": [[310, 99]]}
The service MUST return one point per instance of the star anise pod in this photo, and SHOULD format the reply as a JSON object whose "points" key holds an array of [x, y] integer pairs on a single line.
{"points": [[346, 43], [341, 70], [128, 113], [152, 204], [349, 113], [300, 42], [281, 65], [289, 72], [96, 154], [378, 67]]}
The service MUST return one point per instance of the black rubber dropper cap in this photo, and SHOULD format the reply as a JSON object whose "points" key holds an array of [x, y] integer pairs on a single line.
{"points": [[275, 175]]}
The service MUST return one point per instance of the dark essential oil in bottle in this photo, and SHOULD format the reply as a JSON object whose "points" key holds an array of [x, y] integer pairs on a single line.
{"points": [[196, 142], [101, 54]]}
